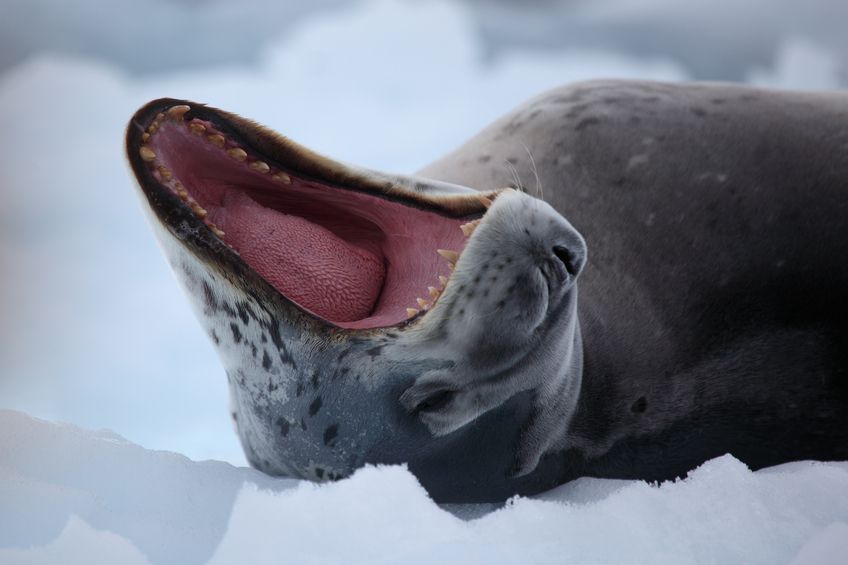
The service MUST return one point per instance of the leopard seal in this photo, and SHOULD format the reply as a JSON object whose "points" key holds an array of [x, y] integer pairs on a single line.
{"points": [[365, 317]]}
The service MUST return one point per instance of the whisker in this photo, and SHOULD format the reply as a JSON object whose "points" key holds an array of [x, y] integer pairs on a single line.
{"points": [[516, 180], [540, 190]]}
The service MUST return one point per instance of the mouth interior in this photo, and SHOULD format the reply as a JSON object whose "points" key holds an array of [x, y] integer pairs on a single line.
{"points": [[354, 259]]}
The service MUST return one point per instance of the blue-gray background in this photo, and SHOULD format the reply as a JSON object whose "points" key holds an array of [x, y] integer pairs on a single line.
{"points": [[93, 328]]}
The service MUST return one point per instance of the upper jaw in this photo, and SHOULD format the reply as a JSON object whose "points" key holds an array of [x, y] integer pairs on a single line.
{"points": [[274, 160]]}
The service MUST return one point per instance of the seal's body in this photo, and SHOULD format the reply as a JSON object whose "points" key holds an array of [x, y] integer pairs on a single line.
{"points": [[708, 318], [714, 309]]}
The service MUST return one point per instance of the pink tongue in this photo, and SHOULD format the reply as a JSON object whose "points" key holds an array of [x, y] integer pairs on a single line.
{"points": [[304, 261]]}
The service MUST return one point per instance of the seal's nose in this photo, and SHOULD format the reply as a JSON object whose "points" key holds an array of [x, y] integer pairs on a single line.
{"points": [[569, 258]]}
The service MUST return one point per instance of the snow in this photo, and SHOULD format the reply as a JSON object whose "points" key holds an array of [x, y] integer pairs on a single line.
{"points": [[75, 496], [95, 331]]}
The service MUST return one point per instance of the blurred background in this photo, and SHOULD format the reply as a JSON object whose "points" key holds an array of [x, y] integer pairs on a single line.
{"points": [[93, 327]]}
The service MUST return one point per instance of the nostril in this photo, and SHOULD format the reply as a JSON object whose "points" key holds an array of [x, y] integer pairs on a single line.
{"points": [[436, 401], [568, 259]]}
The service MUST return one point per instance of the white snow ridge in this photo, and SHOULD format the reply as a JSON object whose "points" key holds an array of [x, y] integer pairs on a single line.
{"points": [[69, 495]]}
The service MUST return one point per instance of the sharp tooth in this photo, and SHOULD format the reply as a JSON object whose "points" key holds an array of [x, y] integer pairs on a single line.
{"points": [[469, 227], [484, 201], [165, 173], [443, 279], [282, 177], [260, 166], [176, 113], [237, 153], [434, 292], [214, 229], [451, 256], [146, 153], [145, 137], [411, 312], [196, 128], [422, 303], [216, 139]]}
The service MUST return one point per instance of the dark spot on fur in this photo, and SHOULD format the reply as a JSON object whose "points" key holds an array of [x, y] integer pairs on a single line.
{"points": [[315, 406], [635, 120], [209, 297], [236, 333], [718, 101], [244, 311], [284, 426], [639, 406], [484, 158], [285, 356], [374, 351], [298, 391], [526, 231], [319, 472], [253, 349], [266, 360], [228, 310], [502, 303], [314, 380], [302, 424], [215, 337], [586, 122], [700, 112], [512, 160], [330, 433]]}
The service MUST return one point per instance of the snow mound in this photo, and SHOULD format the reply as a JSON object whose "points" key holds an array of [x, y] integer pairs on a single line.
{"points": [[78, 496]]}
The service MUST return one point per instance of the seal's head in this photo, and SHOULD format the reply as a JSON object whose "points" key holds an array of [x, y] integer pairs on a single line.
{"points": [[365, 317]]}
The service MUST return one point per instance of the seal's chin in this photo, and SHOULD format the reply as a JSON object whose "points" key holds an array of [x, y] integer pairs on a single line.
{"points": [[352, 254]]}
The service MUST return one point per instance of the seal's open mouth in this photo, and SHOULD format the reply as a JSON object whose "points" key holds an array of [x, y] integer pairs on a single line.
{"points": [[352, 249]]}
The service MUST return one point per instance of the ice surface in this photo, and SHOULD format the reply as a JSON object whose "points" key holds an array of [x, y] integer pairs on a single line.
{"points": [[74, 496]]}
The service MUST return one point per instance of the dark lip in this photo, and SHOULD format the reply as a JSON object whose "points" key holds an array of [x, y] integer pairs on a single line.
{"points": [[213, 251]]}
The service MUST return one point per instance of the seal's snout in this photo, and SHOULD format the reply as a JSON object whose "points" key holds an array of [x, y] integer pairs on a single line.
{"points": [[572, 260]]}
